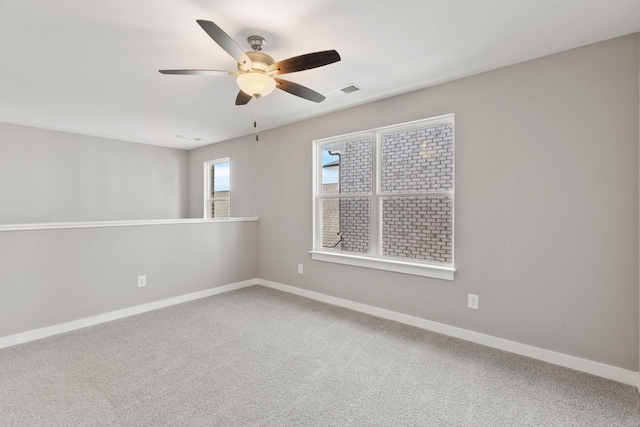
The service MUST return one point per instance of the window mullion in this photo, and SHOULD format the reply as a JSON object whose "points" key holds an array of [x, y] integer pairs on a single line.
{"points": [[418, 194], [345, 196], [374, 202]]}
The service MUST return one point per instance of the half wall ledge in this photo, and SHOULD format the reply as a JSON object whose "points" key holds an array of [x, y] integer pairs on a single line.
{"points": [[128, 223]]}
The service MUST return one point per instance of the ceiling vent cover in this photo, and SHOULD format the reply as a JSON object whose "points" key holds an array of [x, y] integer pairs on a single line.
{"points": [[350, 88], [341, 91]]}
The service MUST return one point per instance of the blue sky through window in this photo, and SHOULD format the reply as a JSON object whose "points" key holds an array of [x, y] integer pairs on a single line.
{"points": [[221, 176], [329, 176]]}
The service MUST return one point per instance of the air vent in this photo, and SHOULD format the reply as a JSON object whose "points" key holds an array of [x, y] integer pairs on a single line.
{"points": [[350, 88], [188, 138], [341, 91]]}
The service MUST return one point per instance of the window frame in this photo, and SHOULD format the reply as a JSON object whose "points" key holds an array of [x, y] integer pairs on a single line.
{"points": [[208, 200], [374, 259]]}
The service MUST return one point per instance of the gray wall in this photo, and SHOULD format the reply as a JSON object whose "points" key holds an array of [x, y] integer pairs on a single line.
{"points": [[55, 276], [50, 176], [546, 203]]}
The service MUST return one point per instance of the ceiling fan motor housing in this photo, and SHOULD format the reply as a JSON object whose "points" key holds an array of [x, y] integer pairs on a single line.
{"points": [[260, 61]]}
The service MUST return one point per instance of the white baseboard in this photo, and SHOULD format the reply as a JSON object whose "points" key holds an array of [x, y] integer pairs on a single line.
{"points": [[48, 331], [572, 362], [595, 368]]}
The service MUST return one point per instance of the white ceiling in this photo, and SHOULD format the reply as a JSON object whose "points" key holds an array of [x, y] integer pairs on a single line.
{"points": [[90, 67]]}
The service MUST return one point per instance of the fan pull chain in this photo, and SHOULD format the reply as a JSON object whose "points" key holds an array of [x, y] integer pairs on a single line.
{"points": [[255, 125], [255, 117]]}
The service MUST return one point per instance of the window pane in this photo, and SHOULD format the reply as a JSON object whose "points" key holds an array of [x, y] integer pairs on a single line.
{"points": [[418, 228], [354, 225], [330, 169], [220, 180], [418, 159], [345, 224], [331, 223], [346, 167], [220, 209]]}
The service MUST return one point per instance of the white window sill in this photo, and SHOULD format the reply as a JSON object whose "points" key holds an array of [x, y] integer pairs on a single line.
{"points": [[398, 266]]}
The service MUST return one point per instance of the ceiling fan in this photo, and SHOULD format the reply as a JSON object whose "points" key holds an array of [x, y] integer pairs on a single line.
{"points": [[256, 70]]}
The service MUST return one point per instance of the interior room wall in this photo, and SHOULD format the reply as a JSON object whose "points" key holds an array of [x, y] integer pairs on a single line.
{"points": [[51, 277], [51, 176], [546, 215]]}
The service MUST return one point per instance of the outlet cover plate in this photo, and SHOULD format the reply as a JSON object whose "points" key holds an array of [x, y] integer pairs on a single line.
{"points": [[473, 301]]}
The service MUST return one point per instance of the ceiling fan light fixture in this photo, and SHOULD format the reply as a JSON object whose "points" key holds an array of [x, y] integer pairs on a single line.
{"points": [[257, 71], [256, 84]]}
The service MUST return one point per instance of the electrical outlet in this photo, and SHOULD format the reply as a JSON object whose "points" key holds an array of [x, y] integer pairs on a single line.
{"points": [[142, 281], [473, 301], [300, 269]]}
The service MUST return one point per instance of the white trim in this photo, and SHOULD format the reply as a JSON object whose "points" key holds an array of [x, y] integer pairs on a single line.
{"points": [[432, 121], [387, 264], [375, 205], [48, 331], [594, 368], [315, 206], [101, 224], [345, 196]]}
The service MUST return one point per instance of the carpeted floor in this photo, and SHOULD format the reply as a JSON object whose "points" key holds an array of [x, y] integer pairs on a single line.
{"points": [[260, 357]]}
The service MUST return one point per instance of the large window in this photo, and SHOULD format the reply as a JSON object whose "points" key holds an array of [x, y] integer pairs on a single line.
{"points": [[217, 188], [384, 198]]}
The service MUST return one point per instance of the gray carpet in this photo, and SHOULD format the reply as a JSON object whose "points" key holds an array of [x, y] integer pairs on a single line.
{"points": [[259, 357]]}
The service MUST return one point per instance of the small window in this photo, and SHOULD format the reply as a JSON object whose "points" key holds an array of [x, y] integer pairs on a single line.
{"points": [[384, 198], [217, 198]]}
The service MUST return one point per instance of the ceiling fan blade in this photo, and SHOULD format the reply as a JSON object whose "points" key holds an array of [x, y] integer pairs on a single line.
{"points": [[243, 98], [200, 72], [304, 62], [299, 90], [225, 42]]}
